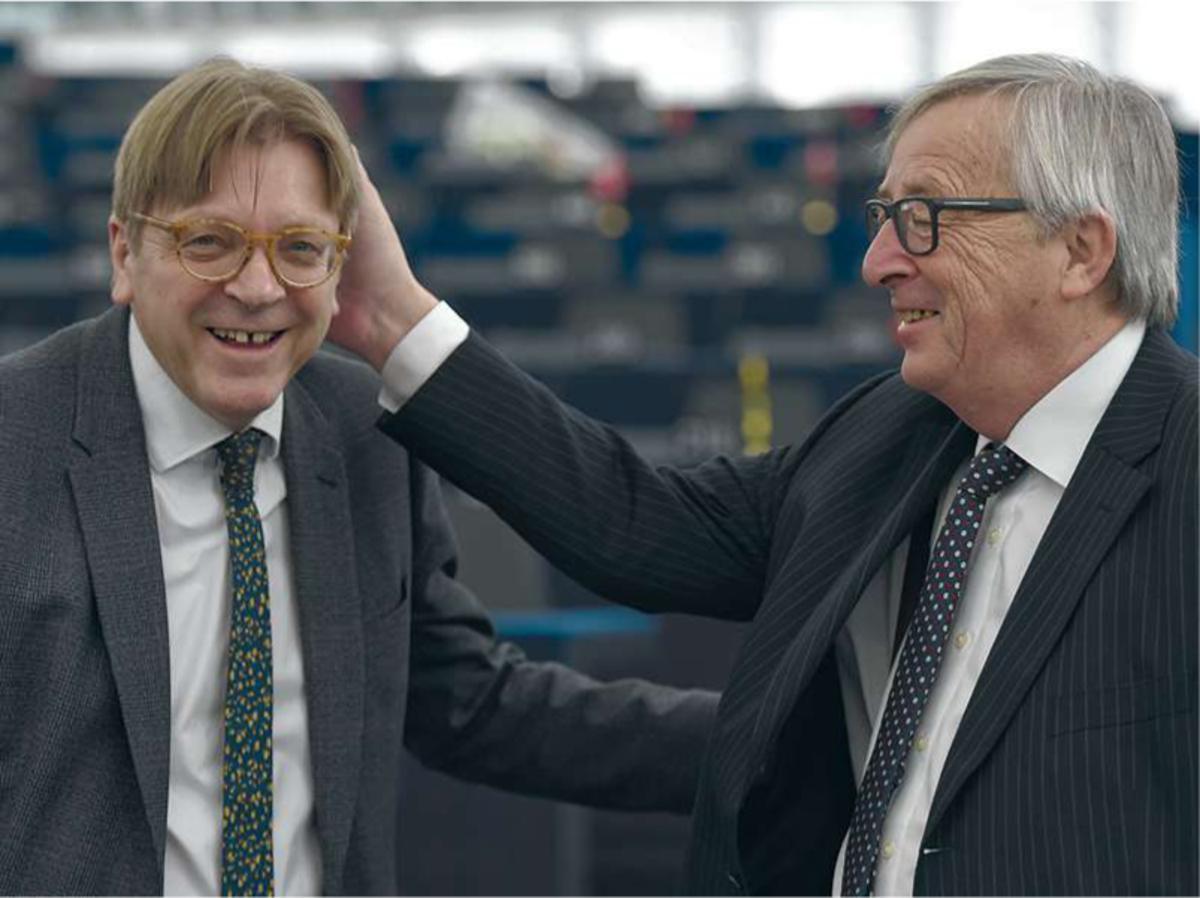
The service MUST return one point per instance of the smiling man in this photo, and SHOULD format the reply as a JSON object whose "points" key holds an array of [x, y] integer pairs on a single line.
{"points": [[971, 666], [971, 278], [240, 322], [228, 603]]}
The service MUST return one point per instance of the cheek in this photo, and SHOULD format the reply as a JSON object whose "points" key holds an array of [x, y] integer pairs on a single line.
{"points": [[323, 309], [976, 264], [318, 313], [168, 307], [974, 283]]}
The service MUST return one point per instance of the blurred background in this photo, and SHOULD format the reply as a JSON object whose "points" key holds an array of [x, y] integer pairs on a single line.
{"points": [[653, 207]]}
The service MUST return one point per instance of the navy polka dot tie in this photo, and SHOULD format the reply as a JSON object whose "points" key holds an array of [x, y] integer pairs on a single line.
{"points": [[990, 471], [247, 848]]}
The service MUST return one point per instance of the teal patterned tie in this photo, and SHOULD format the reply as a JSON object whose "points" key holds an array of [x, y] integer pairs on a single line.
{"points": [[247, 848]]}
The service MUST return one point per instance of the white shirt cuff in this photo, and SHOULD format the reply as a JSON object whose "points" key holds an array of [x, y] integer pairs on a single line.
{"points": [[419, 354]]}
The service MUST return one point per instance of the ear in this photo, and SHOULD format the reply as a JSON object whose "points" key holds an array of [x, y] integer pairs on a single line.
{"points": [[121, 254], [1091, 244]]}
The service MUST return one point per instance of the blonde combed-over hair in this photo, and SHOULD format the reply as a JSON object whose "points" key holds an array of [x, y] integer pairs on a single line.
{"points": [[168, 155]]}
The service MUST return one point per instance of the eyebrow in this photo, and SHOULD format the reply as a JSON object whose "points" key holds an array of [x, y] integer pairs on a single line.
{"points": [[289, 223], [921, 189], [916, 188]]}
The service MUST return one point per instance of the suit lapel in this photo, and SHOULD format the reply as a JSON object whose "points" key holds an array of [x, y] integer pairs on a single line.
{"points": [[929, 459], [110, 480], [330, 619], [1103, 493]]}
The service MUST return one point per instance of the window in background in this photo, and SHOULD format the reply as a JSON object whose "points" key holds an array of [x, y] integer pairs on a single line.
{"points": [[971, 32], [815, 54], [685, 55], [1157, 48], [88, 53], [472, 44], [346, 51]]}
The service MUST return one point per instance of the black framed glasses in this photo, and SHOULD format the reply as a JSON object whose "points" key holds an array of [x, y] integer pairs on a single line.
{"points": [[216, 251], [916, 217]]}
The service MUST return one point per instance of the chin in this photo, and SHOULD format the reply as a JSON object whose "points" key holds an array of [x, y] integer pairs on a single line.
{"points": [[920, 375], [911, 371], [238, 411], [236, 420]]}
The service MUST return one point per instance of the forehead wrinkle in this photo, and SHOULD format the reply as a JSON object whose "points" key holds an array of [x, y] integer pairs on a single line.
{"points": [[959, 155], [934, 175], [239, 192]]}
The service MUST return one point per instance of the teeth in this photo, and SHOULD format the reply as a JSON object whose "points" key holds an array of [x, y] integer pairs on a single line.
{"points": [[233, 336], [908, 316]]}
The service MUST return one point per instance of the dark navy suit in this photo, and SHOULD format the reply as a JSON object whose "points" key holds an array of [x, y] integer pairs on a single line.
{"points": [[1074, 770]]}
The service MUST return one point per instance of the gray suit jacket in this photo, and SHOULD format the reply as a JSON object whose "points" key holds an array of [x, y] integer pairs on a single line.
{"points": [[397, 654]]}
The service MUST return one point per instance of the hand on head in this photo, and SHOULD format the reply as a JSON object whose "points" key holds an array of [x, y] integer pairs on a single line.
{"points": [[379, 300]]}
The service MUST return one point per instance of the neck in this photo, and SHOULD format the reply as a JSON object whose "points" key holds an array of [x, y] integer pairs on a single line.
{"points": [[994, 411]]}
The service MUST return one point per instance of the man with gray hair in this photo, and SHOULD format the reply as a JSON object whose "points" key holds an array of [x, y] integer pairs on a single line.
{"points": [[971, 666]]}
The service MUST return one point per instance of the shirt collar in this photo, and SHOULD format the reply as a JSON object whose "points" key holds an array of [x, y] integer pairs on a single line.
{"points": [[1052, 435], [176, 428]]}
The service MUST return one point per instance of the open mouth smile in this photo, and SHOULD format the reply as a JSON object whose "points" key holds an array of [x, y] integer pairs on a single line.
{"points": [[911, 316], [245, 338]]}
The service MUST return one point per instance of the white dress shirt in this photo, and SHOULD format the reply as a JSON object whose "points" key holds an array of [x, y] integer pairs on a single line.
{"points": [[1051, 437], [190, 510]]}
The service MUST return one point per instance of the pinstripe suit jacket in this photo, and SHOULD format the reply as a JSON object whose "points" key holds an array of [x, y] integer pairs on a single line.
{"points": [[1074, 770], [397, 654]]}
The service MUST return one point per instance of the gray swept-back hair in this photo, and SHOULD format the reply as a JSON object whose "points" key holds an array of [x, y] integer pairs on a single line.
{"points": [[1082, 141]]}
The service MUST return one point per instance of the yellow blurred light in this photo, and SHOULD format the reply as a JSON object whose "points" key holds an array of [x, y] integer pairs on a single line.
{"points": [[752, 370], [612, 221], [819, 217], [754, 374], [756, 423]]}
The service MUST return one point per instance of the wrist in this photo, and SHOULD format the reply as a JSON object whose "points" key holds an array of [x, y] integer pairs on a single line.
{"points": [[393, 323]]}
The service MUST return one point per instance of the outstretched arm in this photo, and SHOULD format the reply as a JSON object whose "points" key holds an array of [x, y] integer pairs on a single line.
{"points": [[480, 710]]}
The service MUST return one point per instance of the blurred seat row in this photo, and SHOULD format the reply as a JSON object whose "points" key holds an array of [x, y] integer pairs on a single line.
{"points": [[718, 233], [708, 236]]}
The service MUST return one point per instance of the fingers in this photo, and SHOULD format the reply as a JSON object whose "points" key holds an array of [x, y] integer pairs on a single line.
{"points": [[378, 298]]}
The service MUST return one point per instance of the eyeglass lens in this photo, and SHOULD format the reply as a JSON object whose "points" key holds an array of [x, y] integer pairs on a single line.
{"points": [[913, 219], [214, 250]]}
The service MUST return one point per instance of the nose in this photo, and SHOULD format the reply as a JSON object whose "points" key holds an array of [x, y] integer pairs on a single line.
{"points": [[886, 261], [256, 284]]}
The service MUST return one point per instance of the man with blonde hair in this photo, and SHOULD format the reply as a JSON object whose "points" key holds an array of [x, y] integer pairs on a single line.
{"points": [[229, 601], [971, 666]]}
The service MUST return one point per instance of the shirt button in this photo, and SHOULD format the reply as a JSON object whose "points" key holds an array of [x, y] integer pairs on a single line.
{"points": [[993, 536], [888, 850], [922, 743], [961, 639]]}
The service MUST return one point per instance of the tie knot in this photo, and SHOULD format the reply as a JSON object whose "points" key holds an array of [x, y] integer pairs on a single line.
{"points": [[991, 471], [238, 454]]}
